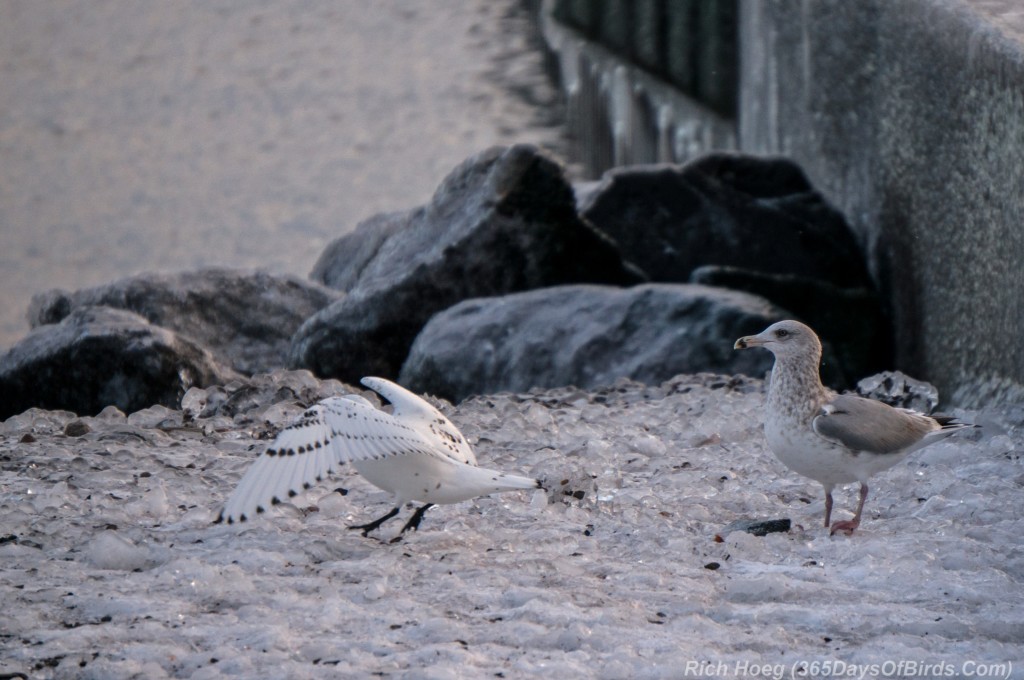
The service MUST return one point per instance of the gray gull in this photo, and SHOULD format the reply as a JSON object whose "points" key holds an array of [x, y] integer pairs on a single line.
{"points": [[414, 452], [833, 439]]}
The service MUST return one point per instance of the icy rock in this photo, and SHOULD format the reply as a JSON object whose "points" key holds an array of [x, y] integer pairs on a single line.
{"points": [[898, 389]]}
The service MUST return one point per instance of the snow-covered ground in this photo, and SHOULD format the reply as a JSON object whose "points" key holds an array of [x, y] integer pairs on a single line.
{"points": [[110, 566]]}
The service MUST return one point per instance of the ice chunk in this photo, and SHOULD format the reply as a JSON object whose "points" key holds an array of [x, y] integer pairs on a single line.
{"points": [[334, 503], [152, 504], [155, 417], [111, 414], [282, 413], [573, 637], [111, 550], [193, 403], [375, 590]]}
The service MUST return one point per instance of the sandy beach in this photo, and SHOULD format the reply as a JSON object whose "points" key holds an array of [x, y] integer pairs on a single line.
{"points": [[167, 136]]}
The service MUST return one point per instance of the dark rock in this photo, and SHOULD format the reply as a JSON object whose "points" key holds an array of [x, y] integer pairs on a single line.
{"points": [[725, 209], [503, 221], [77, 428], [586, 336], [898, 389], [345, 259], [848, 320], [756, 527], [246, 319], [98, 356]]}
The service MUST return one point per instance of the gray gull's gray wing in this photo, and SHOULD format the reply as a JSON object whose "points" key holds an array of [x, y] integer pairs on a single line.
{"points": [[867, 425]]}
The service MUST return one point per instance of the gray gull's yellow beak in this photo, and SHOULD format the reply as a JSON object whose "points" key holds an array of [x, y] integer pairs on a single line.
{"points": [[748, 341]]}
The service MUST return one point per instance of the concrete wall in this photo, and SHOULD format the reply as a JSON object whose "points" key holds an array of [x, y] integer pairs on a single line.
{"points": [[910, 117], [690, 44], [646, 81]]}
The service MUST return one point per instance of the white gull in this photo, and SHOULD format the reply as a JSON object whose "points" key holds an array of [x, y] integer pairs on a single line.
{"points": [[414, 452], [833, 439]]}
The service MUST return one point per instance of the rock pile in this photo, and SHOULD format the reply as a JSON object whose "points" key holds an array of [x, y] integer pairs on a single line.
{"points": [[500, 283]]}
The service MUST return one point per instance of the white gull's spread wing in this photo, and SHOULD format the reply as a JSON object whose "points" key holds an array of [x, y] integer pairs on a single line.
{"points": [[335, 431], [427, 420]]}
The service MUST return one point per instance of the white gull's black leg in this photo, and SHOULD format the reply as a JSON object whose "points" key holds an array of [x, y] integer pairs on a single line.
{"points": [[417, 517], [375, 524]]}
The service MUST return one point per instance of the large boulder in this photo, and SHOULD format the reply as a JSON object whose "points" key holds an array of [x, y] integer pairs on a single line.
{"points": [[99, 356], [504, 221], [725, 209], [586, 336], [246, 319]]}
